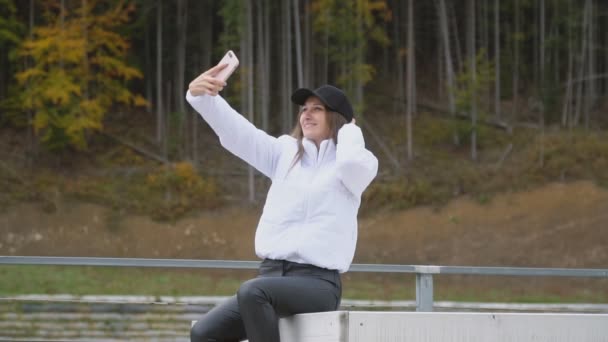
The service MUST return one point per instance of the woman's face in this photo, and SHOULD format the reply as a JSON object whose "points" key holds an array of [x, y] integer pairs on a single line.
{"points": [[313, 120]]}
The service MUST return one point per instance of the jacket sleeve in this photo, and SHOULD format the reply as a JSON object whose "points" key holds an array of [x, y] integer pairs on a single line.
{"points": [[237, 134], [356, 165]]}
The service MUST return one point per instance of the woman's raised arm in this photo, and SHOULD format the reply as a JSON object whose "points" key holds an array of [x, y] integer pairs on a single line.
{"points": [[236, 133]]}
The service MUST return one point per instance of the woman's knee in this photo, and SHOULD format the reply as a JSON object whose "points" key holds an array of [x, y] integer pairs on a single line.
{"points": [[200, 333], [204, 332], [251, 292]]}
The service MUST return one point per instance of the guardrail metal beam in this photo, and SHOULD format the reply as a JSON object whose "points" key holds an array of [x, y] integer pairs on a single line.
{"points": [[424, 273]]}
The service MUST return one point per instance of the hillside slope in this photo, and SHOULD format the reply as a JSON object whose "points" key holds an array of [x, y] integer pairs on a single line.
{"points": [[560, 225]]}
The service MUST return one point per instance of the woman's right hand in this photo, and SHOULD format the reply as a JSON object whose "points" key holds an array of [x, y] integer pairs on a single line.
{"points": [[206, 83]]}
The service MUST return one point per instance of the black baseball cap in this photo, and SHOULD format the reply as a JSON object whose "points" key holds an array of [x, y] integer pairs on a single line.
{"points": [[333, 98]]}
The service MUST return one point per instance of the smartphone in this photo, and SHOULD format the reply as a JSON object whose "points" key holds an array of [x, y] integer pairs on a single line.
{"points": [[233, 62]]}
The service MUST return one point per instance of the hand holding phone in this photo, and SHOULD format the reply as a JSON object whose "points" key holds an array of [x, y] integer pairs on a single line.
{"points": [[232, 63], [212, 81]]}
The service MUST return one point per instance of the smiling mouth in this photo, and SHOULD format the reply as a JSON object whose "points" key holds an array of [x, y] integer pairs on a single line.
{"points": [[308, 125]]}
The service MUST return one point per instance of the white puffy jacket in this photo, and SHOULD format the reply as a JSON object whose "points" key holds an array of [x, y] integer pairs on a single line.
{"points": [[310, 215]]}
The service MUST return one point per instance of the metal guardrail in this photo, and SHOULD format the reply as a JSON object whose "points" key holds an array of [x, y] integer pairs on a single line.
{"points": [[424, 274]]}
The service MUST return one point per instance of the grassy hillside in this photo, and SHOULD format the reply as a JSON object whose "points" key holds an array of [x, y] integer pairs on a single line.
{"points": [[121, 177]]}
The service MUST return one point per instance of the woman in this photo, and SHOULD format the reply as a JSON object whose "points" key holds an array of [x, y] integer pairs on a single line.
{"points": [[308, 230]]}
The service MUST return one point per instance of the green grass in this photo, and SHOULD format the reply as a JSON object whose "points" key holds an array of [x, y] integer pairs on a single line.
{"points": [[76, 280]]}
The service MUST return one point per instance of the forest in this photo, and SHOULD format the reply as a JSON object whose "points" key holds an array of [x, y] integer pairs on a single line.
{"points": [[454, 96]]}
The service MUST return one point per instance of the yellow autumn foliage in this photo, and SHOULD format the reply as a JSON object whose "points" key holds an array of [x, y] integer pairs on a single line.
{"points": [[78, 70]]}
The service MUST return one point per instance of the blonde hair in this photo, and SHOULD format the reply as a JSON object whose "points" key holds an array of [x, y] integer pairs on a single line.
{"points": [[334, 120]]}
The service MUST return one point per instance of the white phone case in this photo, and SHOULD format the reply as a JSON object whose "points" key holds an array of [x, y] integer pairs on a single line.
{"points": [[233, 62]]}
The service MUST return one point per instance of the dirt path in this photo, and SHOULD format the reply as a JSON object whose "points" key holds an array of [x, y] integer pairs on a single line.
{"points": [[560, 225]]}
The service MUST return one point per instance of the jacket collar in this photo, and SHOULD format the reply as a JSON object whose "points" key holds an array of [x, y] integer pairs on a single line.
{"points": [[326, 151]]}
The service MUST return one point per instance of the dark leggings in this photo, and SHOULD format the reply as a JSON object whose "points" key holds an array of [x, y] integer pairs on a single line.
{"points": [[283, 288]]}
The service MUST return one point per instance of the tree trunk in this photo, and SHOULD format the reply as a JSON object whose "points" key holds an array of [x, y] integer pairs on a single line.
{"points": [[443, 22], [159, 72], [541, 46], [555, 34], [605, 90], [262, 64], [296, 23], [86, 56], [148, 70], [284, 66], [325, 69], [360, 59], [590, 87], [286, 74], [308, 46], [180, 102], [567, 109], [182, 30], [536, 43], [250, 84], [166, 122], [440, 68], [267, 66], [3, 74], [400, 91], [471, 52], [484, 32], [516, 64], [583, 61], [31, 137], [61, 25], [410, 77], [453, 16], [497, 59], [541, 77]]}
